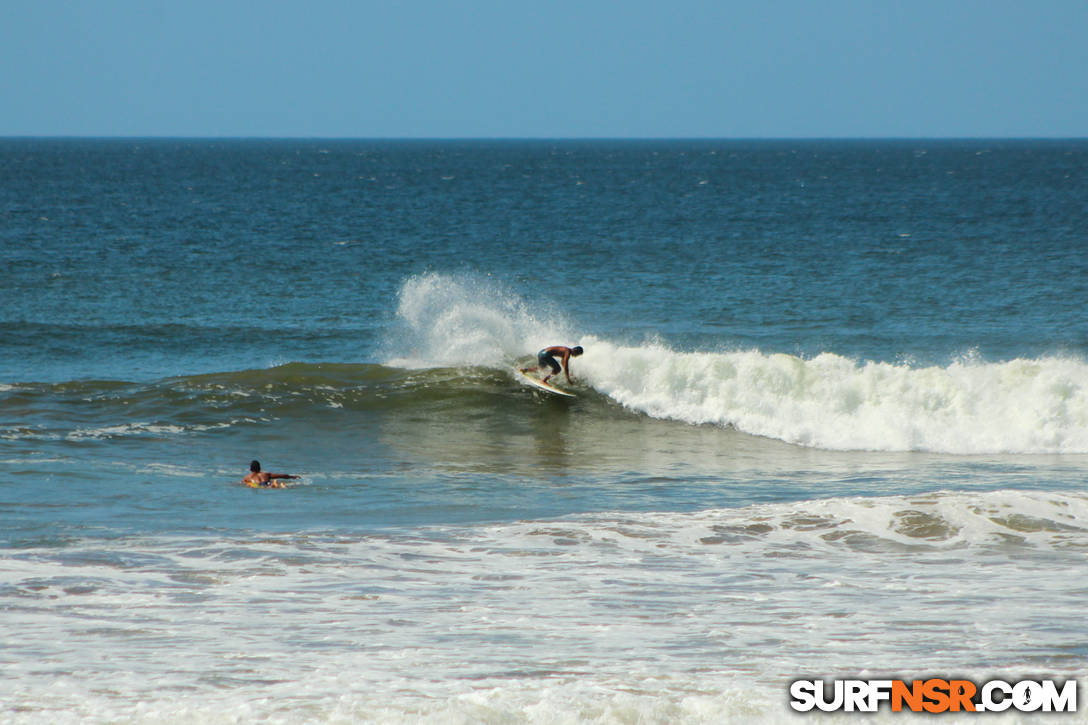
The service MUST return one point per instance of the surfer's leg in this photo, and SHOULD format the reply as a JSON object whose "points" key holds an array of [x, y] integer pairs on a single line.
{"points": [[553, 364]]}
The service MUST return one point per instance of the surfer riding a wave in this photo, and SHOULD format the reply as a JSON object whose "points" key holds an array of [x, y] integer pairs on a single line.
{"points": [[546, 359]]}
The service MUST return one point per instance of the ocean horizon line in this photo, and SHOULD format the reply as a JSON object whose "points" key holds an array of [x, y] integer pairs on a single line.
{"points": [[547, 139]]}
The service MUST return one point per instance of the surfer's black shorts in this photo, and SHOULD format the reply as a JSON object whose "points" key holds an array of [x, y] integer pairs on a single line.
{"points": [[544, 359]]}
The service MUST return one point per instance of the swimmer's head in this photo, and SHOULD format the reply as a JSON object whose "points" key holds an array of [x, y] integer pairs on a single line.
{"points": [[255, 466]]}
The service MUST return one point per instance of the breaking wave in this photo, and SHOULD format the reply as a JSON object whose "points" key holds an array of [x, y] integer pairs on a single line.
{"points": [[969, 406]]}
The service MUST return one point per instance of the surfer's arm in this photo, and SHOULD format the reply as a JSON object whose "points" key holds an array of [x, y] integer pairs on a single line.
{"points": [[281, 475], [566, 364]]}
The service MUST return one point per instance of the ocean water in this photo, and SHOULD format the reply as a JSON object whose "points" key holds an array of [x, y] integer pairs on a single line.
{"points": [[831, 421]]}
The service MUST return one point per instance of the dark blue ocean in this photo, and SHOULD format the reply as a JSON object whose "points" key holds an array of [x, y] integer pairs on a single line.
{"points": [[831, 421]]}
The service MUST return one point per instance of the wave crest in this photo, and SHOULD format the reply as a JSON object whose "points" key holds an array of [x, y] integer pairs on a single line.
{"points": [[832, 402]]}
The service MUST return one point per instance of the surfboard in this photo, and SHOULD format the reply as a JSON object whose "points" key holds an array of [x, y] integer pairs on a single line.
{"points": [[541, 385], [271, 484]]}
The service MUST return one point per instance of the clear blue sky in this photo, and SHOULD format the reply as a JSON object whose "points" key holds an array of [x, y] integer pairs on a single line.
{"points": [[549, 68]]}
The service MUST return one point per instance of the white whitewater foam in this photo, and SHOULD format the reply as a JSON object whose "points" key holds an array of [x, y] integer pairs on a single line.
{"points": [[620, 617], [832, 402]]}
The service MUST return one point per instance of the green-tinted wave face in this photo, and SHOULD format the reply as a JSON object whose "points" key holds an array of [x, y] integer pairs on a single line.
{"points": [[296, 390]]}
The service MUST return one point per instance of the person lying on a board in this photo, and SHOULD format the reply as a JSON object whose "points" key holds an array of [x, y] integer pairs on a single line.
{"points": [[546, 359], [264, 479]]}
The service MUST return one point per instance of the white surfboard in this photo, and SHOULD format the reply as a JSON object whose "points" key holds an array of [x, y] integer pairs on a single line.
{"points": [[541, 385]]}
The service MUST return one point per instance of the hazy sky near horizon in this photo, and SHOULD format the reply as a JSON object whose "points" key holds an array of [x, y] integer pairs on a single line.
{"points": [[562, 68]]}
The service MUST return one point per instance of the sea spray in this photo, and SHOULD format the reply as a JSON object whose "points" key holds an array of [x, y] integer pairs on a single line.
{"points": [[465, 319]]}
